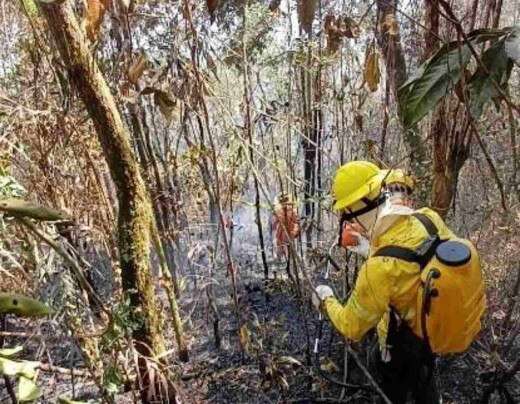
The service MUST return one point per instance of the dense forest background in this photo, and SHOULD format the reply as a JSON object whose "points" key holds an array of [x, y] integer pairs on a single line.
{"points": [[146, 146]]}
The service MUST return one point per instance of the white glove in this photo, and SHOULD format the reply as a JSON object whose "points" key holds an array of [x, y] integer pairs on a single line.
{"points": [[362, 248], [321, 293]]}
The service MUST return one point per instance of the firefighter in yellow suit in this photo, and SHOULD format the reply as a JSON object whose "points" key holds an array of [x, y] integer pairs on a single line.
{"points": [[385, 294]]}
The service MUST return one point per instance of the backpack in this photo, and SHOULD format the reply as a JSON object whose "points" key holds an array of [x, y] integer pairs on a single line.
{"points": [[451, 299]]}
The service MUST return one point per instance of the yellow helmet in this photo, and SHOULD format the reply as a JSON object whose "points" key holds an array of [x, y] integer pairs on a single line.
{"points": [[357, 185]]}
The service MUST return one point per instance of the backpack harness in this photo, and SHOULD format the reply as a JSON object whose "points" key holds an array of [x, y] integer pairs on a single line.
{"points": [[451, 253]]}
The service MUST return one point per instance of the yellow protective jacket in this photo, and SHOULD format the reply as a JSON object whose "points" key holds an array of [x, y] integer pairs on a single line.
{"points": [[385, 281]]}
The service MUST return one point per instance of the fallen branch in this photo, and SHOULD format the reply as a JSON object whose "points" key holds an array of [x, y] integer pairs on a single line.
{"points": [[367, 374], [20, 208], [63, 371]]}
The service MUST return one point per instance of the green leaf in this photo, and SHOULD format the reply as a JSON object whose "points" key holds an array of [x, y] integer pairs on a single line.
{"points": [[481, 86], [438, 75], [9, 187], [8, 352], [437, 78], [27, 390], [166, 103], [30, 8], [18, 368], [22, 306]]}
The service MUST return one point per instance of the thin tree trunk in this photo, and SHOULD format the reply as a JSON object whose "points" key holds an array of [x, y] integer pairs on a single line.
{"points": [[249, 132], [135, 213], [443, 183], [443, 179], [452, 128], [389, 43]]}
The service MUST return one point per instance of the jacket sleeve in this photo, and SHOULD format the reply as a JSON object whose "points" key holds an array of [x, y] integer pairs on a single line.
{"points": [[367, 303]]}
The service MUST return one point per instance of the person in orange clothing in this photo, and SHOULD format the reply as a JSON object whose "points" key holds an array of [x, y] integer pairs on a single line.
{"points": [[286, 224]]}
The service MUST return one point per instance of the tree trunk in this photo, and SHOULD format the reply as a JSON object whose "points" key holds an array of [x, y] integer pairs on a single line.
{"points": [[451, 128], [135, 214], [443, 182], [389, 43], [309, 146]]}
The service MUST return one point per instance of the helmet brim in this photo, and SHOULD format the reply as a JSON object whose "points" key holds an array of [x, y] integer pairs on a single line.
{"points": [[371, 189]]}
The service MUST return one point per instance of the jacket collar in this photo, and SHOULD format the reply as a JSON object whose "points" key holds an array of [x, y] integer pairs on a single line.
{"points": [[393, 209]]}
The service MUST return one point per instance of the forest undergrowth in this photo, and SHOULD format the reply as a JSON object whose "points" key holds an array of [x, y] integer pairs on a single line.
{"points": [[165, 190]]}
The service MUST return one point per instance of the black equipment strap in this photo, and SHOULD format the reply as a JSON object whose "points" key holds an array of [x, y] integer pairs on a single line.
{"points": [[370, 205], [427, 223], [424, 253], [394, 251]]}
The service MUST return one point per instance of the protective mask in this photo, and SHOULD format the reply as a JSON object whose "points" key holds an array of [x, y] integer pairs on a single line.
{"points": [[362, 248]]}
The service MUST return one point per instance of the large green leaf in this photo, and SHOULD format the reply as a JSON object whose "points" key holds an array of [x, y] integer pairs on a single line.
{"points": [[22, 306], [18, 368], [8, 352], [437, 76], [481, 86], [27, 390], [30, 8]]}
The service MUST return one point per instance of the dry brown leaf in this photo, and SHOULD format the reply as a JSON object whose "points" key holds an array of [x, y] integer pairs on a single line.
{"points": [[333, 35], [390, 25], [371, 73], [289, 360], [333, 44], [94, 17], [212, 6], [137, 69], [329, 25], [148, 90], [337, 28], [274, 5], [166, 103], [306, 11], [350, 28], [245, 338], [329, 366]]}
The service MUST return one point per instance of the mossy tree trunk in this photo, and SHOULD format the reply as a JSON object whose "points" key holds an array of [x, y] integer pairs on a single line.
{"points": [[135, 214]]}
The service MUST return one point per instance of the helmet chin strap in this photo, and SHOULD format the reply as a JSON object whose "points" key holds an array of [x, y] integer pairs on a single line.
{"points": [[369, 206], [367, 216]]}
